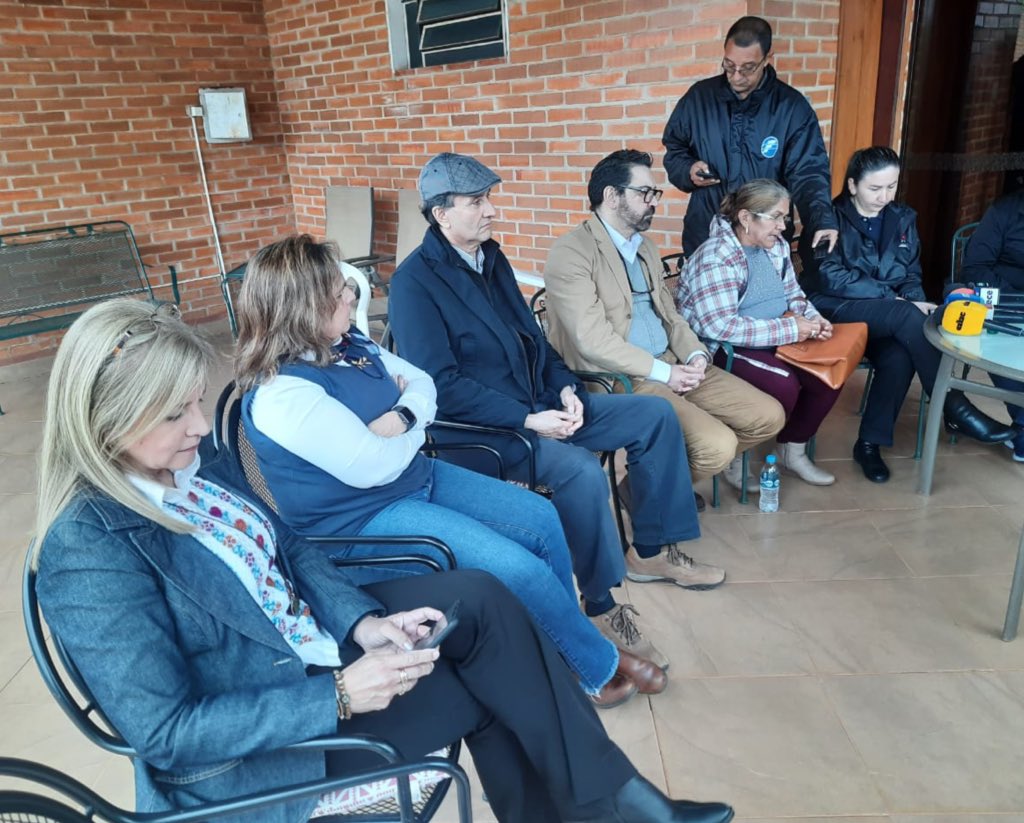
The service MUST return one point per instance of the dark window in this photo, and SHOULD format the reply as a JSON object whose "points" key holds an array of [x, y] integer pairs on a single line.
{"points": [[453, 31]]}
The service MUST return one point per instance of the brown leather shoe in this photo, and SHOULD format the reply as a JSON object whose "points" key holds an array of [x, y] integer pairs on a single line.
{"points": [[615, 692], [647, 676]]}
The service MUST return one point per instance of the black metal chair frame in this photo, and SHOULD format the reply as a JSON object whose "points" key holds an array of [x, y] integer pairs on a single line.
{"points": [[606, 380], [89, 719]]}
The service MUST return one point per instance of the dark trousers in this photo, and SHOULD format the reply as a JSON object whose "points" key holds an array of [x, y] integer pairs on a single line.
{"points": [[662, 509], [1016, 412], [897, 348], [539, 748], [805, 398]]}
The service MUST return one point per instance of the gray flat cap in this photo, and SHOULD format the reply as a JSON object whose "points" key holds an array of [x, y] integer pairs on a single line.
{"points": [[450, 173]]}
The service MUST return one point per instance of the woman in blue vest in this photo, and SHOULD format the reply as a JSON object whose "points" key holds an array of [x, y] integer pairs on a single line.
{"points": [[873, 276], [337, 425], [213, 638]]}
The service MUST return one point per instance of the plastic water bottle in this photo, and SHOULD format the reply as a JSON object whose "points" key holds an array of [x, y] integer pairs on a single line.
{"points": [[769, 501]]}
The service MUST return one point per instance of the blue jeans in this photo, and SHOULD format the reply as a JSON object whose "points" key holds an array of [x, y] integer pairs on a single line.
{"points": [[512, 533], [663, 509]]}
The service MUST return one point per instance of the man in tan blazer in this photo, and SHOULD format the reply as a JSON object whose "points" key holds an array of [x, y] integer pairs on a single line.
{"points": [[609, 310]]}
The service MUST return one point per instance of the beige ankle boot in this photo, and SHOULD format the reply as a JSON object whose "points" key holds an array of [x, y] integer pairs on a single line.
{"points": [[793, 456], [733, 475]]}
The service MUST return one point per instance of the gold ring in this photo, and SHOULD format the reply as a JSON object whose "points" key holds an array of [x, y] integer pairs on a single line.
{"points": [[405, 681]]}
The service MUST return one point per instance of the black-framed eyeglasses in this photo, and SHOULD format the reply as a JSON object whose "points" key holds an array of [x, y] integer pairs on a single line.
{"points": [[784, 219], [745, 70], [649, 194]]}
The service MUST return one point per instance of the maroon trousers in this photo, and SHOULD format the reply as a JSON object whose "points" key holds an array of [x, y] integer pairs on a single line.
{"points": [[804, 397]]}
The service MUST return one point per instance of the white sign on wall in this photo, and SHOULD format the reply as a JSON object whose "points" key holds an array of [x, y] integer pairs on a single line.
{"points": [[225, 116]]}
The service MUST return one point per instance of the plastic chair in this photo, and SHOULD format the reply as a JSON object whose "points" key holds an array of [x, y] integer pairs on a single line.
{"points": [[74, 697], [349, 223], [411, 224]]}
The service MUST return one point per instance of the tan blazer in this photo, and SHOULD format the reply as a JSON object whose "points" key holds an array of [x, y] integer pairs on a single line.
{"points": [[590, 304]]}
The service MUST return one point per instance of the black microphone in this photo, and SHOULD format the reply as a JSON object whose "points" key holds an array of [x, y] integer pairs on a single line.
{"points": [[1003, 328]]}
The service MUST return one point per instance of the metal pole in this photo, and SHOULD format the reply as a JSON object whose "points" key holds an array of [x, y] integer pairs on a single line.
{"points": [[206, 193]]}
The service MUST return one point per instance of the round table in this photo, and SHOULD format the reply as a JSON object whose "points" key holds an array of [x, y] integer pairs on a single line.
{"points": [[996, 353]]}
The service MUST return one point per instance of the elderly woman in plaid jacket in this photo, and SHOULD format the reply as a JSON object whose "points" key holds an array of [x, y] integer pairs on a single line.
{"points": [[735, 289]]}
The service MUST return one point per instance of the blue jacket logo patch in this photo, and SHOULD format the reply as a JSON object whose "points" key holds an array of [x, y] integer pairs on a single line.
{"points": [[770, 147]]}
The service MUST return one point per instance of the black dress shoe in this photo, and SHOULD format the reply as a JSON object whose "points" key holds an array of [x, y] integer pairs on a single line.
{"points": [[963, 417], [640, 802], [869, 457], [699, 502]]}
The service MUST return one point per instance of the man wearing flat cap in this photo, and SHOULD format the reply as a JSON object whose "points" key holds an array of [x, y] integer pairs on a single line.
{"points": [[456, 311]]}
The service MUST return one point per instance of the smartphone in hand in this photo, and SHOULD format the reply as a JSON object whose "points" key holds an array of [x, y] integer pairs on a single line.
{"points": [[706, 175], [441, 629], [821, 250]]}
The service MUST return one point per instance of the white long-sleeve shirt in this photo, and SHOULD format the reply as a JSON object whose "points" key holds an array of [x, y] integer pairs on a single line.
{"points": [[301, 417]]}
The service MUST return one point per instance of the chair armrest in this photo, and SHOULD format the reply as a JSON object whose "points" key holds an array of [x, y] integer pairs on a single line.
{"points": [[433, 446], [369, 260], [607, 380], [495, 430], [174, 284], [389, 540], [730, 354]]}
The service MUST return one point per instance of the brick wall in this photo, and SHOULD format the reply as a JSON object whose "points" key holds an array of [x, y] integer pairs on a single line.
{"points": [[93, 127], [93, 94], [581, 79], [986, 113]]}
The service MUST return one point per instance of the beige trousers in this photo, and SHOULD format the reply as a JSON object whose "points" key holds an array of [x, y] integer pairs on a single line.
{"points": [[721, 418]]}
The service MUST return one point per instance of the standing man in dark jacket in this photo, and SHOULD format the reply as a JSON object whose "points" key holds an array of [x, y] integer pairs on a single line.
{"points": [[741, 125], [457, 313]]}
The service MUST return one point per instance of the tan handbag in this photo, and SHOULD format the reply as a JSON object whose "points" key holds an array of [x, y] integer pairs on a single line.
{"points": [[832, 361]]}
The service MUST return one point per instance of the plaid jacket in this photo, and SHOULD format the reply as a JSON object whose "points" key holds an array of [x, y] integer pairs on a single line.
{"points": [[712, 285]]}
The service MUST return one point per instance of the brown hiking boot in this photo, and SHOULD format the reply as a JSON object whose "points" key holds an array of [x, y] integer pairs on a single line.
{"points": [[619, 626], [673, 566]]}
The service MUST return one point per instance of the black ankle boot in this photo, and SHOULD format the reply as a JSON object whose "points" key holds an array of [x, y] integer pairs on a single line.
{"points": [[869, 456], [963, 417], [640, 802]]}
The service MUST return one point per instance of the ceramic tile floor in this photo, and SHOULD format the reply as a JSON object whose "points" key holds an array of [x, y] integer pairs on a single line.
{"points": [[850, 669]]}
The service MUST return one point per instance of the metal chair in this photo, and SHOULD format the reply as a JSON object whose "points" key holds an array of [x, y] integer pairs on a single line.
{"points": [[74, 697], [958, 247], [79, 804], [607, 382]]}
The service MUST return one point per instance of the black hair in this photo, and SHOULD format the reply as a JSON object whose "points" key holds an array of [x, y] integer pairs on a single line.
{"points": [[866, 161], [749, 30], [441, 201], [615, 170]]}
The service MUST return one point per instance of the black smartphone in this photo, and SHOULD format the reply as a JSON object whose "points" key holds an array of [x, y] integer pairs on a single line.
{"points": [[706, 175], [441, 629], [821, 249]]}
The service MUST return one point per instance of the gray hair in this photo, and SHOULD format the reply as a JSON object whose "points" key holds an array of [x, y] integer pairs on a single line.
{"points": [[441, 201], [756, 195]]}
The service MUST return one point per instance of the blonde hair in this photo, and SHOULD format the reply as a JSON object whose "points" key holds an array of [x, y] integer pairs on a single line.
{"points": [[123, 368], [287, 296], [757, 195]]}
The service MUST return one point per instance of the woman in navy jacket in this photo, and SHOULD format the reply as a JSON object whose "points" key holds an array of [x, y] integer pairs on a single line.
{"points": [[873, 276], [212, 638]]}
